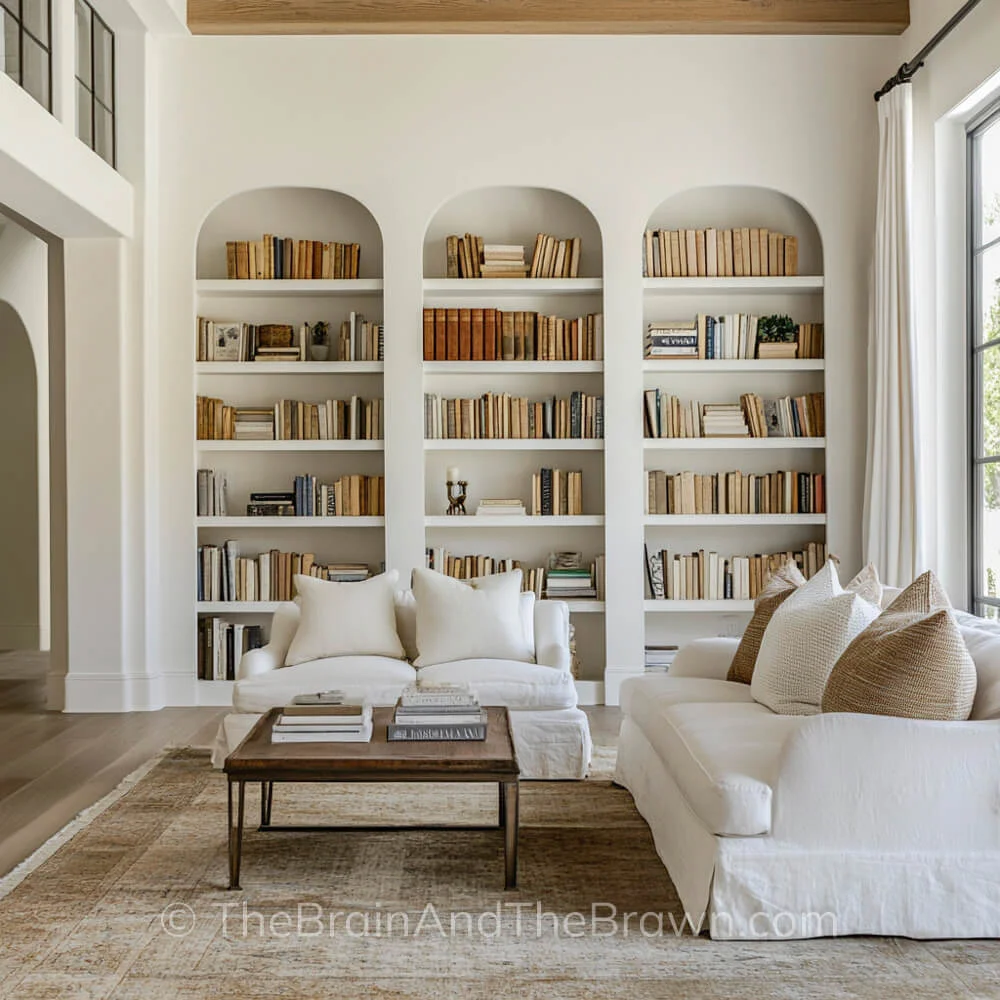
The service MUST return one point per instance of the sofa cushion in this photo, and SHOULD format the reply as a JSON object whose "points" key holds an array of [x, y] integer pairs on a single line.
{"points": [[652, 692], [982, 639], [910, 662], [376, 680], [507, 682], [804, 640], [345, 619], [723, 756], [777, 590]]}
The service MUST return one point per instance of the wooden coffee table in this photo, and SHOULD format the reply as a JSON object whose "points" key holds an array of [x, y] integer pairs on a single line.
{"points": [[258, 759]]}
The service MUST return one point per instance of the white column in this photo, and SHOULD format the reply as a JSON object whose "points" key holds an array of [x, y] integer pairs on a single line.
{"points": [[623, 464], [64, 63]]}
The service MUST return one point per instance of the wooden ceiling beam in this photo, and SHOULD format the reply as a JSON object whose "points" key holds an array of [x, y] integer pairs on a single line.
{"points": [[334, 17]]}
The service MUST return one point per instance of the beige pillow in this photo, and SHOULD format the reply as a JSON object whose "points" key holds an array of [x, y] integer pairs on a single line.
{"points": [[345, 619], [910, 662], [781, 586]]}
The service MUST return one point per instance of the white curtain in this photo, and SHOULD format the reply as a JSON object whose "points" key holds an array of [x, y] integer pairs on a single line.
{"points": [[891, 532]]}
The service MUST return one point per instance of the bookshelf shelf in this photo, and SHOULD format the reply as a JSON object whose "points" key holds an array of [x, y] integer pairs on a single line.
{"points": [[493, 287], [730, 520], [514, 521], [290, 445], [237, 607], [732, 444], [512, 367], [281, 288], [798, 285], [584, 607], [289, 522], [290, 367], [736, 365], [683, 607], [514, 444]]}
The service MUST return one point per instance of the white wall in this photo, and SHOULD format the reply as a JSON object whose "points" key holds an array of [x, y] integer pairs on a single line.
{"points": [[618, 123], [24, 287], [960, 66]]}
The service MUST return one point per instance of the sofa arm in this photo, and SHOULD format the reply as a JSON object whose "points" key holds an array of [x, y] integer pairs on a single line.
{"points": [[552, 634], [709, 658], [847, 780], [259, 661]]}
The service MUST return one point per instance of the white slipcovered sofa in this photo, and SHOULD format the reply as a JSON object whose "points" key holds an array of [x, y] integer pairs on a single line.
{"points": [[551, 735], [780, 826]]}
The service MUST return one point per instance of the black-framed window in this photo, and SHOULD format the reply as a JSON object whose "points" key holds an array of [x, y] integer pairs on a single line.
{"points": [[26, 46], [95, 82], [984, 331]]}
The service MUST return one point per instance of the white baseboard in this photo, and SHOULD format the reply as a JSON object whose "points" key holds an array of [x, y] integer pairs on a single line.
{"points": [[613, 678], [20, 637], [590, 692], [111, 692]]}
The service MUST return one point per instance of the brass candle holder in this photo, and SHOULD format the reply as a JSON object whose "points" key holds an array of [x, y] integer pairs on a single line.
{"points": [[457, 495]]}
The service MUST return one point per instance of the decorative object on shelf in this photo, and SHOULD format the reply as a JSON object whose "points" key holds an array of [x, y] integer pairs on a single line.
{"points": [[458, 492], [718, 253], [777, 337], [319, 347]]}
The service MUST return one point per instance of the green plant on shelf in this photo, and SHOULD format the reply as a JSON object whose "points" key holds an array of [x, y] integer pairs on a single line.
{"points": [[320, 333], [776, 330]]}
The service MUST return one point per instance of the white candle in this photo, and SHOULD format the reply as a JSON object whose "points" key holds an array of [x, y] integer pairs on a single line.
{"points": [[452, 474]]}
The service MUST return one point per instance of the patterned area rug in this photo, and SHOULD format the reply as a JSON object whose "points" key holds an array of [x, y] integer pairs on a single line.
{"points": [[133, 905]]}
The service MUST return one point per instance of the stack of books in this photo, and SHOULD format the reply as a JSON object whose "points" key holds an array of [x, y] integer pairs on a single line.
{"points": [[323, 724], [724, 420], [672, 338], [503, 261], [438, 712], [570, 585], [659, 658], [500, 508]]}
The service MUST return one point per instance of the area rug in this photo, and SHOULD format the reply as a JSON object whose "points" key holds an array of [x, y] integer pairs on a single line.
{"points": [[131, 903]]}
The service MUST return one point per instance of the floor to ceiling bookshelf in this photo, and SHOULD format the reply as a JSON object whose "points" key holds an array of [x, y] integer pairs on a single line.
{"points": [[609, 633]]}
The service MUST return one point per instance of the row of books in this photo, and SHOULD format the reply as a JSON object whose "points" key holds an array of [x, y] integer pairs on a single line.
{"points": [[495, 335], [500, 415], [353, 419], [348, 496], [224, 340], [786, 492], [711, 253], [282, 257], [707, 576], [555, 492], [668, 416], [225, 575], [571, 581], [730, 337], [211, 493], [470, 257], [221, 646]]}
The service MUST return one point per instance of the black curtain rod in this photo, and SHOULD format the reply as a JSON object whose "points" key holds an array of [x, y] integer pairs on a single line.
{"points": [[908, 70]]}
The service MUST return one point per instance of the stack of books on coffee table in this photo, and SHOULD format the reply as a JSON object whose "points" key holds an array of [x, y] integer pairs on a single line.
{"points": [[323, 724], [439, 712]]}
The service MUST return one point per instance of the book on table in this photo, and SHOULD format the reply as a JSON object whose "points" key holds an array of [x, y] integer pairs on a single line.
{"points": [[447, 712], [323, 723]]}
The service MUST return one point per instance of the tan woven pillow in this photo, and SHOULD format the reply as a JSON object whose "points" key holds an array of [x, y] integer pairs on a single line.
{"points": [[781, 586], [910, 662]]}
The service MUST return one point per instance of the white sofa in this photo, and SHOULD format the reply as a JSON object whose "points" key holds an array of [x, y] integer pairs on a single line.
{"points": [[778, 826], [551, 735]]}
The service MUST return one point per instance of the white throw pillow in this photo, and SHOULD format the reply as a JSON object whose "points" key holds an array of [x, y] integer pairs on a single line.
{"points": [[803, 641], [469, 620], [345, 619]]}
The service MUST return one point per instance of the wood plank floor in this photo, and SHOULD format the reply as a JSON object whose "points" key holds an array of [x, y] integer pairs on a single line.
{"points": [[53, 765]]}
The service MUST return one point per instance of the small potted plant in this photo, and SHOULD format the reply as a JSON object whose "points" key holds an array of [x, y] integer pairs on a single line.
{"points": [[777, 337], [319, 336]]}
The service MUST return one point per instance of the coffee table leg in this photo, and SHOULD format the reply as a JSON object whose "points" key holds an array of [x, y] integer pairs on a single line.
{"points": [[266, 801], [501, 811], [236, 833], [510, 790]]}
